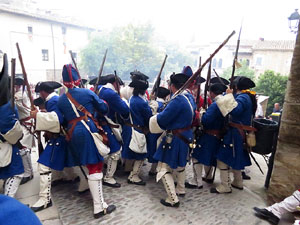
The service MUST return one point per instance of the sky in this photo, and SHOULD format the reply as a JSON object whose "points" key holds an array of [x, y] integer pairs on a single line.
{"points": [[184, 20]]}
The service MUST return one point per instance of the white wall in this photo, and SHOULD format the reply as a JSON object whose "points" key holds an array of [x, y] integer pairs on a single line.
{"points": [[14, 28]]}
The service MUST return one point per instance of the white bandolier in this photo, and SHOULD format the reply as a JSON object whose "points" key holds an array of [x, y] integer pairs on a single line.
{"points": [[28, 141]]}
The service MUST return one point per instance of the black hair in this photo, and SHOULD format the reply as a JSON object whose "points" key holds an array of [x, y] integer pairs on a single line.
{"points": [[217, 92], [254, 102], [177, 85], [138, 91]]}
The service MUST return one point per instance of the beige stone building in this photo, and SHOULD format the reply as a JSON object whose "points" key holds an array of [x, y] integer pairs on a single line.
{"points": [[260, 55]]}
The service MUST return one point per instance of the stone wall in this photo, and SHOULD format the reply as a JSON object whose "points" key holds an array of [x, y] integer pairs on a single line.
{"points": [[286, 175]]}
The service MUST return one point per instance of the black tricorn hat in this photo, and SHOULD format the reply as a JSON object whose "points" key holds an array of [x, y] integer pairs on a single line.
{"points": [[84, 81], [38, 101], [178, 78], [162, 92], [19, 79], [47, 86], [140, 84], [217, 88], [243, 83], [215, 80], [200, 80], [110, 78], [138, 75]]}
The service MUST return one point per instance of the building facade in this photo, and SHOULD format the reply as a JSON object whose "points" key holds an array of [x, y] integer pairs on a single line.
{"points": [[44, 39], [260, 55]]}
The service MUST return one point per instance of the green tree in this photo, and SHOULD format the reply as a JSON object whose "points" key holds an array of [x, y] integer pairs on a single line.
{"points": [[244, 70], [129, 48], [272, 85]]}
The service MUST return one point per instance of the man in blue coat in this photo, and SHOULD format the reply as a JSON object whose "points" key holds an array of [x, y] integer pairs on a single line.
{"points": [[11, 166], [204, 154], [175, 123], [140, 113], [108, 91], [233, 152], [53, 155], [77, 107]]}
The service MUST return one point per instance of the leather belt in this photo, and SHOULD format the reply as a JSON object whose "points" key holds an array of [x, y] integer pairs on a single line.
{"points": [[177, 132], [74, 122], [215, 133]]}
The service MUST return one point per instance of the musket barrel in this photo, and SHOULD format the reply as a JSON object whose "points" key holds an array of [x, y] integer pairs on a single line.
{"points": [[25, 78]]}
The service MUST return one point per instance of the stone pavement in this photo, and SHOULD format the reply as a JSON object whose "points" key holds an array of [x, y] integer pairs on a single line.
{"points": [[140, 205]]}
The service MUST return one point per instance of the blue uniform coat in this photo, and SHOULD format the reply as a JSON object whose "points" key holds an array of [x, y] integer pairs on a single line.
{"points": [[177, 115], [54, 154], [7, 122], [232, 150], [81, 148], [207, 145], [116, 105], [140, 113]]}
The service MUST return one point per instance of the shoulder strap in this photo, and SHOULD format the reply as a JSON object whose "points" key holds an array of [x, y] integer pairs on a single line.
{"points": [[82, 109]]}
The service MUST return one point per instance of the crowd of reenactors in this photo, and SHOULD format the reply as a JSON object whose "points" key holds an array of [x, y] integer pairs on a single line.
{"points": [[80, 130]]}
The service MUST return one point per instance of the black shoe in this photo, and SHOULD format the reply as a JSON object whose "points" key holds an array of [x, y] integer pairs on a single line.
{"points": [[108, 210], [245, 176], [209, 181], [37, 209], [176, 205], [116, 185], [26, 179], [82, 192], [266, 215], [192, 186], [143, 183], [152, 174], [236, 187], [215, 191]]}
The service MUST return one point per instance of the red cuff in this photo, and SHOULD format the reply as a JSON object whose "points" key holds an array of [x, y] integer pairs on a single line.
{"points": [[95, 168]]}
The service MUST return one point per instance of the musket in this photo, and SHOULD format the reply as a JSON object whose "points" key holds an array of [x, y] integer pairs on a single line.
{"points": [[207, 85], [158, 79], [197, 73], [198, 89], [100, 71], [12, 82], [25, 78], [235, 58], [117, 82], [75, 64], [252, 156], [218, 76]]}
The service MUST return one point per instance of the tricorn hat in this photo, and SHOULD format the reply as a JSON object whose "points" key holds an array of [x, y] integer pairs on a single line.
{"points": [[217, 88], [47, 86], [138, 75], [178, 78], [243, 83], [220, 80], [200, 80], [140, 84]]}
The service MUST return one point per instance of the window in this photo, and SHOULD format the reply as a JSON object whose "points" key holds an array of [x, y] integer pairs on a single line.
{"points": [[247, 62], [45, 55], [63, 30], [220, 63], [258, 61], [29, 30]]}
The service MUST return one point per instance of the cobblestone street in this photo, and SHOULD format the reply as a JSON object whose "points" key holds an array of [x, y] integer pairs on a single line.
{"points": [[140, 205]]}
